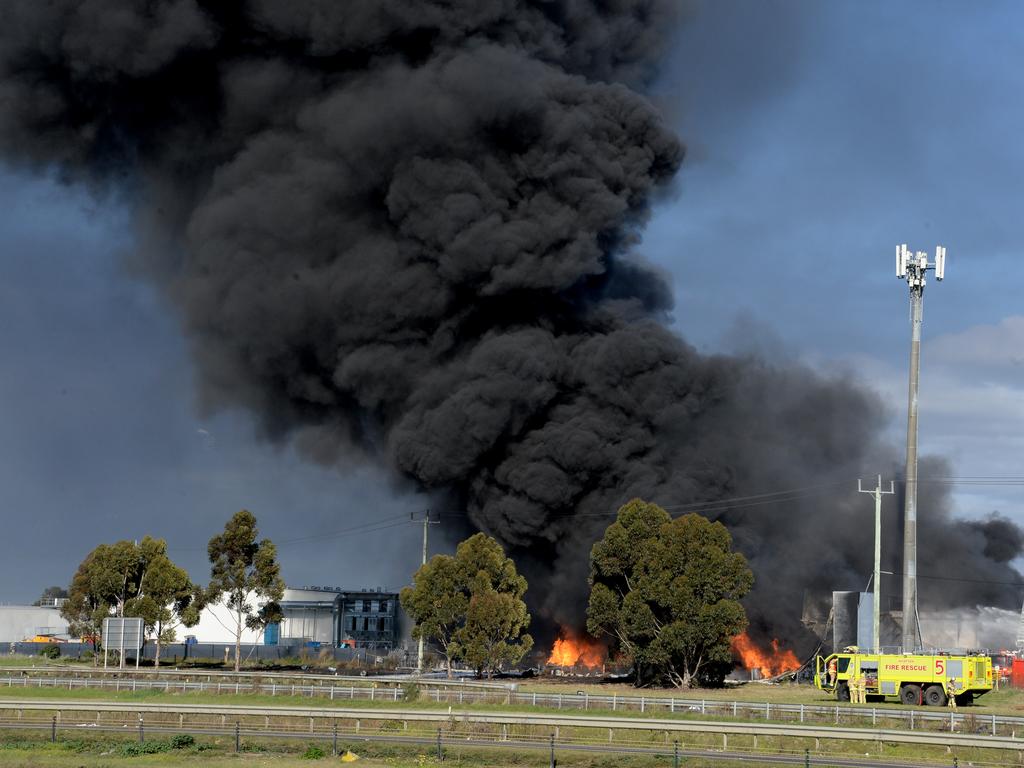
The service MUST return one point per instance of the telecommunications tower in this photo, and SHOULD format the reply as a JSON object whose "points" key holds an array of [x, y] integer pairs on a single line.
{"points": [[912, 267]]}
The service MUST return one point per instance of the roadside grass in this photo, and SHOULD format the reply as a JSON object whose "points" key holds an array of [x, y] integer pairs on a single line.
{"points": [[459, 719], [92, 751], [1007, 701]]}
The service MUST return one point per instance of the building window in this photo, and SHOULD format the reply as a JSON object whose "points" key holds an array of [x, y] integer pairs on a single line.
{"points": [[352, 623], [383, 606], [374, 606], [366, 606]]}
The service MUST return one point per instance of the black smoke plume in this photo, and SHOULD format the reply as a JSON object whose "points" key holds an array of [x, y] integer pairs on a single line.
{"points": [[405, 230]]}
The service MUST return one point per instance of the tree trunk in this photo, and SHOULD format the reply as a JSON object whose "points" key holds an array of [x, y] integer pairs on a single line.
{"points": [[156, 660], [238, 643], [448, 664]]}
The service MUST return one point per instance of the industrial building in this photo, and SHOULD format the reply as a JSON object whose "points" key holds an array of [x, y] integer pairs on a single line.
{"points": [[366, 618], [19, 623], [332, 616]]}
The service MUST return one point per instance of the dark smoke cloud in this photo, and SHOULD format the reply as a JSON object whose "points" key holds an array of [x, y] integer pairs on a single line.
{"points": [[405, 230]]}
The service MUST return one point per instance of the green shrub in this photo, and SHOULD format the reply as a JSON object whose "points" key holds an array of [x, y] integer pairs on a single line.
{"points": [[50, 651], [182, 741], [411, 691], [313, 753], [145, 748]]}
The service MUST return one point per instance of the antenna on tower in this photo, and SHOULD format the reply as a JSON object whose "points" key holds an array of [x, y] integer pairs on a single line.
{"points": [[913, 270]]}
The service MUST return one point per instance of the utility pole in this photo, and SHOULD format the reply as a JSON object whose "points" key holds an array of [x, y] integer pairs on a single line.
{"points": [[426, 522], [913, 268], [877, 577]]}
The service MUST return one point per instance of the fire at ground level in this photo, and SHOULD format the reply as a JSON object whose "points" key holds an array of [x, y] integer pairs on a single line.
{"points": [[576, 653]]}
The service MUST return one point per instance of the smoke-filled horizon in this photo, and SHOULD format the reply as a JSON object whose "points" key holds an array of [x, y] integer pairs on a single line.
{"points": [[406, 232]]}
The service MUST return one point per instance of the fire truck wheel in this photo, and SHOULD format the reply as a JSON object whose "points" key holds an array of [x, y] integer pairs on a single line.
{"points": [[934, 696], [842, 692], [910, 694]]}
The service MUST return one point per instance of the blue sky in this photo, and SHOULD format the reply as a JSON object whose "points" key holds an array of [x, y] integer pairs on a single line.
{"points": [[820, 135]]}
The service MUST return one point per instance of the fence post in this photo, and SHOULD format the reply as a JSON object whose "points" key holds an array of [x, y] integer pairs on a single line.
{"points": [[807, 758], [238, 736], [141, 735], [53, 729], [553, 763], [334, 751], [874, 716], [911, 719], [993, 725], [440, 753], [801, 713], [675, 750]]}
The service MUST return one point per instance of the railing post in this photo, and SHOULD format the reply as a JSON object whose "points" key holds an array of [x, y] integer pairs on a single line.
{"points": [[440, 753], [675, 760], [53, 730], [807, 758], [553, 751], [141, 734], [238, 736], [334, 751], [911, 719], [801, 713]]}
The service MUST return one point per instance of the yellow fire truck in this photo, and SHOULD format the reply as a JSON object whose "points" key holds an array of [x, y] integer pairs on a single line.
{"points": [[915, 679]]}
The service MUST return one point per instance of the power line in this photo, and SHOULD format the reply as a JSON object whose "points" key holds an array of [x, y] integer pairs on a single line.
{"points": [[369, 527]]}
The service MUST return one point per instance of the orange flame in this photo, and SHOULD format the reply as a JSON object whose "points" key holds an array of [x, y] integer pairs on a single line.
{"points": [[770, 662], [572, 650]]}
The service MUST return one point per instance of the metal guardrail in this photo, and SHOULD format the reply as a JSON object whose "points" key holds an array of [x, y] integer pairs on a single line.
{"points": [[65, 712], [128, 673], [457, 740], [443, 692]]}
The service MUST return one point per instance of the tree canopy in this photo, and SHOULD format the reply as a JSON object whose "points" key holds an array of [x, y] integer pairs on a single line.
{"points": [[130, 578], [471, 605], [667, 592], [245, 572]]}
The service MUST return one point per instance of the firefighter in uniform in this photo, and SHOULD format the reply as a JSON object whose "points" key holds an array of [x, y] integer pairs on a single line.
{"points": [[952, 688], [832, 666]]}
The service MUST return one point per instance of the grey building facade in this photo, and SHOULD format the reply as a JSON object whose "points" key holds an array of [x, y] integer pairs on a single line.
{"points": [[364, 618]]}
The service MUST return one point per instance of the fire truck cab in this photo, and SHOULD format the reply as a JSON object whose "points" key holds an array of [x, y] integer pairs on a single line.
{"points": [[914, 679]]}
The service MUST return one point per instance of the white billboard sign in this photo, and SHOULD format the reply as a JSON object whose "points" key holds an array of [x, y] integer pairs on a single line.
{"points": [[122, 635]]}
